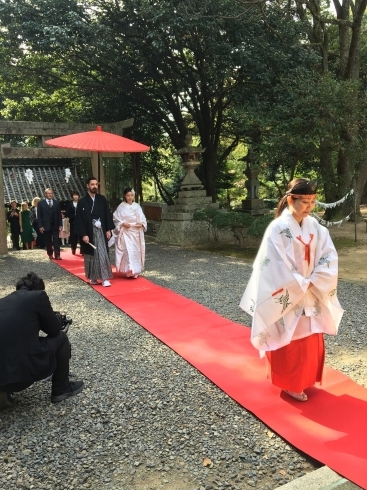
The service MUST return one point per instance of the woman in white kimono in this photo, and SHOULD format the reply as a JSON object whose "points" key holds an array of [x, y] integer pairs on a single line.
{"points": [[130, 224], [291, 294]]}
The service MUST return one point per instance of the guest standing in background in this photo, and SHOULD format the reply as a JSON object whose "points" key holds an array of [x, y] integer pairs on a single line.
{"points": [[94, 224], [130, 224], [50, 223], [70, 213], [40, 241], [65, 232], [26, 226], [13, 219]]}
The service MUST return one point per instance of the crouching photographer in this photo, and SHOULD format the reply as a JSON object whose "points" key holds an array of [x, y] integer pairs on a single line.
{"points": [[25, 357]]}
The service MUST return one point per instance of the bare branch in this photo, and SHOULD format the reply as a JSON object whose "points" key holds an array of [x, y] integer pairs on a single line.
{"points": [[323, 20]]}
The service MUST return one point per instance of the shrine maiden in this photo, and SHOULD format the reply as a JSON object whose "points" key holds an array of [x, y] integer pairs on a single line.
{"points": [[130, 224], [291, 294]]}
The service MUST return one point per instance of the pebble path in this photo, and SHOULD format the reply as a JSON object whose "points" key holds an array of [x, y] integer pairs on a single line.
{"points": [[147, 419]]}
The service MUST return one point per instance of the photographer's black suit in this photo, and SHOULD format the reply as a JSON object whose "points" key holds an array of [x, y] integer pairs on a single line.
{"points": [[50, 219], [25, 357]]}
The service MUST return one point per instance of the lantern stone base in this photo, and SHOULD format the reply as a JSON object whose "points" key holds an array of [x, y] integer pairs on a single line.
{"points": [[254, 207], [178, 226], [182, 233]]}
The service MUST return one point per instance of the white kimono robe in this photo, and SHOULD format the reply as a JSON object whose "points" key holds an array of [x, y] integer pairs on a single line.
{"points": [[129, 242], [277, 295]]}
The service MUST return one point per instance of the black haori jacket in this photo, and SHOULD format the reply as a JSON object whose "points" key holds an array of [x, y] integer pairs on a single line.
{"points": [[85, 213]]}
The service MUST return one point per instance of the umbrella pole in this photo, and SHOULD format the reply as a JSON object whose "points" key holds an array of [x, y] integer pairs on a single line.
{"points": [[99, 172]]}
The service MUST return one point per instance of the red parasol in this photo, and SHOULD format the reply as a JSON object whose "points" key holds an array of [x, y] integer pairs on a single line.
{"points": [[98, 141]]}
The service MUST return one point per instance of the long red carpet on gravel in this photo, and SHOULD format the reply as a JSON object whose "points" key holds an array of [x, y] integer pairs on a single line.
{"points": [[331, 427]]}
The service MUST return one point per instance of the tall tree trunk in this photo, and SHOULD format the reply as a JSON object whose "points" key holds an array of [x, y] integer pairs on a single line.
{"points": [[361, 181], [209, 162], [349, 15], [327, 171], [135, 162]]}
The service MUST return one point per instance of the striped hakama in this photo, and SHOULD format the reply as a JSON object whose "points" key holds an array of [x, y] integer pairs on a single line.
{"points": [[98, 266]]}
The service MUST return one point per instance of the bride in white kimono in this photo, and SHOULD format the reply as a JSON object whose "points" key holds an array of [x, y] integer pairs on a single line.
{"points": [[130, 224], [291, 294]]}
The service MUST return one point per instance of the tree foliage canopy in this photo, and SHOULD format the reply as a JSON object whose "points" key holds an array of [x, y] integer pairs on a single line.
{"points": [[181, 65], [283, 77]]}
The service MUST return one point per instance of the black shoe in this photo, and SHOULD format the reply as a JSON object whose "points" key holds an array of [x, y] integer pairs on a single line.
{"points": [[50, 257], [75, 387], [6, 401], [73, 252], [58, 258]]}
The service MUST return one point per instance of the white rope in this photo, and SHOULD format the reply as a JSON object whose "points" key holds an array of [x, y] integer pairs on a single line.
{"points": [[328, 205], [328, 224]]}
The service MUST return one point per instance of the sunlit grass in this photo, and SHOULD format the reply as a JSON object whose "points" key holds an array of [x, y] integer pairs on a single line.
{"points": [[246, 254], [342, 243]]}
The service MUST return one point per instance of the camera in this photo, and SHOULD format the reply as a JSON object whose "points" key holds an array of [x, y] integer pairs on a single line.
{"points": [[64, 320]]}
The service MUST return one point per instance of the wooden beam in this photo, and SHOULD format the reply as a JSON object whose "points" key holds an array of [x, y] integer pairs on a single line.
{"points": [[9, 153], [27, 152], [38, 128]]}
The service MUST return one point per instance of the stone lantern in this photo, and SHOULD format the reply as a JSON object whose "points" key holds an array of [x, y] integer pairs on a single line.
{"points": [[252, 204], [178, 226], [190, 163]]}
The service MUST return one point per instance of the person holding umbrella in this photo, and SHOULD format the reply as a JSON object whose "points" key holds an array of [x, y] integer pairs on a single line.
{"points": [[94, 224]]}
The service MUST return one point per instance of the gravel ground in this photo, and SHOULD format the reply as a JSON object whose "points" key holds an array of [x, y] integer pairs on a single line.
{"points": [[147, 419]]}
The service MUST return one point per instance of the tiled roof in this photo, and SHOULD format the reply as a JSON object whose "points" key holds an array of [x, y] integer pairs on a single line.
{"points": [[17, 187]]}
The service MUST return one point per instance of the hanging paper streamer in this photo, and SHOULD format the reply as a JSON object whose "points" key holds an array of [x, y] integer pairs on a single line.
{"points": [[67, 174], [328, 205], [29, 175], [330, 223]]}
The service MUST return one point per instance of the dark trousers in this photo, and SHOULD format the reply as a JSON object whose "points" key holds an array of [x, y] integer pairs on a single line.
{"points": [[52, 242], [73, 237], [40, 240], [15, 240], [60, 346]]}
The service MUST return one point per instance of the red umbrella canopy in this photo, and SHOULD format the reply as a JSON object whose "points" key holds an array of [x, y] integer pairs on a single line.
{"points": [[98, 140]]}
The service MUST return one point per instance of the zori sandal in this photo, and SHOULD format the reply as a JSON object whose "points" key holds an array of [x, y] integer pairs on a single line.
{"points": [[301, 397]]}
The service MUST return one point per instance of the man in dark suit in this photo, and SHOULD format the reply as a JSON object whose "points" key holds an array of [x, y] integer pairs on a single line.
{"points": [[50, 223], [13, 218], [70, 213], [25, 357]]}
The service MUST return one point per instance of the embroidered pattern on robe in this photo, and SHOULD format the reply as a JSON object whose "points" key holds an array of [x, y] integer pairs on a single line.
{"points": [[279, 287]]}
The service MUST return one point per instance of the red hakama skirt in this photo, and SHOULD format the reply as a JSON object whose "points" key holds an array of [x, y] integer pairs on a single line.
{"points": [[298, 365]]}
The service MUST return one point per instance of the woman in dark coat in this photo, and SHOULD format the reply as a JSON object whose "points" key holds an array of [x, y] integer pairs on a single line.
{"points": [[13, 218], [26, 226]]}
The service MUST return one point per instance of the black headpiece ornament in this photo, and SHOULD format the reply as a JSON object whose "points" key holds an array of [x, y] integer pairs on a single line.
{"points": [[305, 188]]}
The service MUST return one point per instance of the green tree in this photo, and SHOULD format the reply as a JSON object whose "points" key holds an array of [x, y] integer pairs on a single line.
{"points": [[184, 64], [338, 38]]}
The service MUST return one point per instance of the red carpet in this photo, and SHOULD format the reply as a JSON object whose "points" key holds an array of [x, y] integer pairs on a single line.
{"points": [[331, 427]]}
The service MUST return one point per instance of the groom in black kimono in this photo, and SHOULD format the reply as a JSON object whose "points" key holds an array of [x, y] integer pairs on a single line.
{"points": [[94, 224]]}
